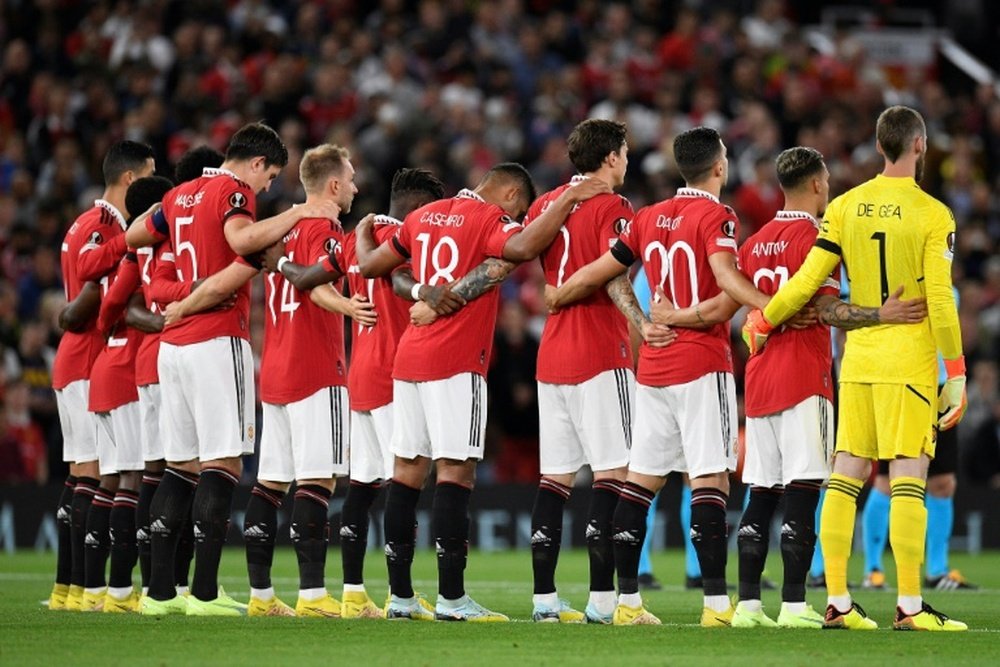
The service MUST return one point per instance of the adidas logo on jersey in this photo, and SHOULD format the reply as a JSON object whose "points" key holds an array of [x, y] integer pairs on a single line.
{"points": [[345, 531], [539, 537], [141, 535], [62, 514], [91, 540], [625, 536], [159, 528], [254, 532], [786, 530], [748, 531], [592, 531]]}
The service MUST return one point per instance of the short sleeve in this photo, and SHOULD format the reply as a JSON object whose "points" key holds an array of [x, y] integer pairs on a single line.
{"points": [[829, 228], [616, 217], [402, 240], [719, 232], [236, 199], [498, 231]]}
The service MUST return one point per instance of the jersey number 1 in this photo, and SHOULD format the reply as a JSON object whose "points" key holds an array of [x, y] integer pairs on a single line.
{"points": [[883, 275]]}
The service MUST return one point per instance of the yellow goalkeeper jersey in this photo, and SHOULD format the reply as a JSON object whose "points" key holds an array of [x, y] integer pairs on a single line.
{"points": [[889, 234]]}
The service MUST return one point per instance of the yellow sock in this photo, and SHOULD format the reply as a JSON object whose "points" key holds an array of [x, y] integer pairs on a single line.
{"points": [[836, 529], [907, 531]]}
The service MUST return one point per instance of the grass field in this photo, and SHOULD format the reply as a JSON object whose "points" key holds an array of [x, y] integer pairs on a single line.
{"points": [[30, 635]]}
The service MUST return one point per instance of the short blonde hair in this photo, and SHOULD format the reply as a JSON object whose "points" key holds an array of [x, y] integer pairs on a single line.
{"points": [[320, 163]]}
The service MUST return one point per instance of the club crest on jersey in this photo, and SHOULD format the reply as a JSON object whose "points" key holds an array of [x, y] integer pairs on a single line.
{"points": [[237, 200], [729, 228], [622, 225]]}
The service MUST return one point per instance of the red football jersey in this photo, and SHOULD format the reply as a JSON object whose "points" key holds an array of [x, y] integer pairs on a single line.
{"points": [[303, 344], [112, 379], [674, 239], [196, 213], [90, 250], [447, 239], [374, 348], [795, 363], [590, 336], [156, 269]]}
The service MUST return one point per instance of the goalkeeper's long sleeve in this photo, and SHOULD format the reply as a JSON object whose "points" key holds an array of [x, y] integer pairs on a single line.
{"points": [[802, 286], [941, 307]]}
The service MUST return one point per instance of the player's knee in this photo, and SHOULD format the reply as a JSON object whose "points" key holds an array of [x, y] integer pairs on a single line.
{"points": [[942, 486]]}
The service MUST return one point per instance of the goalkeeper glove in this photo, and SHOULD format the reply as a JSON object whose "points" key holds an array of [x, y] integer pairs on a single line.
{"points": [[756, 330], [952, 400]]}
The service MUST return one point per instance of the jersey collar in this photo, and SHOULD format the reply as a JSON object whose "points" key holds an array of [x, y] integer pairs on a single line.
{"points": [[110, 208], [466, 193], [695, 192], [217, 171], [796, 215], [381, 219]]}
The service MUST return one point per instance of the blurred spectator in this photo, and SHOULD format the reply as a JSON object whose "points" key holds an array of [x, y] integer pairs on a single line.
{"points": [[22, 448]]}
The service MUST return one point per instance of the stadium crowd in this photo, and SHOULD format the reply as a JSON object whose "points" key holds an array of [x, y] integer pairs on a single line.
{"points": [[456, 87]]}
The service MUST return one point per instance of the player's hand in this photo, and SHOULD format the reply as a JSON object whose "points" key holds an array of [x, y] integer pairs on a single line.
{"points": [[805, 318], [271, 256], [550, 299], [952, 399], [365, 224], [361, 310], [319, 209], [585, 189], [225, 304], [421, 314], [661, 308], [173, 313], [756, 329], [657, 335], [895, 311], [441, 298]]}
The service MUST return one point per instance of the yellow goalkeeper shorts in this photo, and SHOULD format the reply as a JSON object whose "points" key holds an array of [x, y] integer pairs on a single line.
{"points": [[886, 421]]}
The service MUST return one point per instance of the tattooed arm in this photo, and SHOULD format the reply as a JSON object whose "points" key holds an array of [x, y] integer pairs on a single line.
{"points": [[849, 316], [484, 277], [621, 293]]}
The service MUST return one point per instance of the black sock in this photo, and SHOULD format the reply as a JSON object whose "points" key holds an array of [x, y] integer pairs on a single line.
{"points": [[708, 534], [354, 530], [311, 533], [629, 532], [210, 511], [798, 537], [83, 495], [450, 526], [98, 541], [400, 526], [546, 533], [150, 481], [603, 501], [64, 523], [754, 537], [168, 511], [260, 528], [185, 551], [124, 550]]}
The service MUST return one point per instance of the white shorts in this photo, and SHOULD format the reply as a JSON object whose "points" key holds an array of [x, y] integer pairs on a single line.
{"points": [[689, 427], [586, 423], [78, 430], [118, 442], [149, 422], [371, 436], [207, 399], [307, 439], [792, 444], [439, 419]]}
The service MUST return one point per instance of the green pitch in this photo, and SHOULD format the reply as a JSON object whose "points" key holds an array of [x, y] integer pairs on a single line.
{"points": [[30, 635]]}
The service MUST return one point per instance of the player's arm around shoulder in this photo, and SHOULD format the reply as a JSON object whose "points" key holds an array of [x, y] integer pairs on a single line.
{"points": [[214, 290]]}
